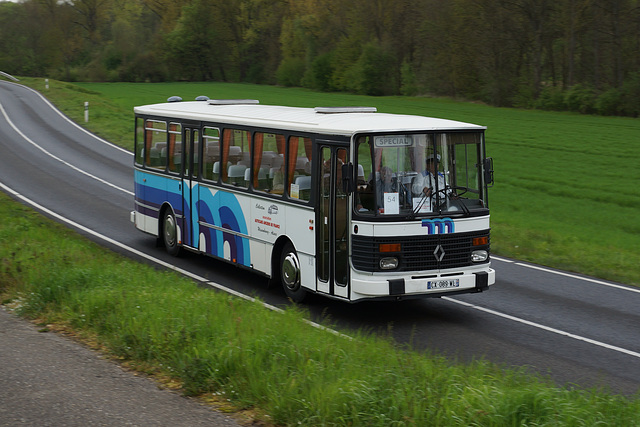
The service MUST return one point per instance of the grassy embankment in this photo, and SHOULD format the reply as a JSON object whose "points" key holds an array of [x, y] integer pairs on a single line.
{"points": [[566, 191], [274, 365]]}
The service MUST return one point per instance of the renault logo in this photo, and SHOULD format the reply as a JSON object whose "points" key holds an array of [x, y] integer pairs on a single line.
{"points": [[439, 253]]}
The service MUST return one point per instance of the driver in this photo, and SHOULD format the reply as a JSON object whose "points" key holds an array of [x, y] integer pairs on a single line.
{"points": [[425, 184]]}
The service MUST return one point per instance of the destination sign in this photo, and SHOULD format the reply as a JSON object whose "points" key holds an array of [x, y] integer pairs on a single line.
{"points": [[393, 141]]}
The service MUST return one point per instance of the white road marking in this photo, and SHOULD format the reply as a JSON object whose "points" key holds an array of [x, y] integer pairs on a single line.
{"points": [[77, 169], [573, 276], [545, 328], [53, 107]]}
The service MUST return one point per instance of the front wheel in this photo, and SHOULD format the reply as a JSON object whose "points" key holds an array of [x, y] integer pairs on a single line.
{"points": [[170, 233], [290, 274]]}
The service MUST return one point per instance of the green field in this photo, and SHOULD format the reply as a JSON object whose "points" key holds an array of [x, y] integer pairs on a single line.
{"points": [[565, 192], [272, 366]]}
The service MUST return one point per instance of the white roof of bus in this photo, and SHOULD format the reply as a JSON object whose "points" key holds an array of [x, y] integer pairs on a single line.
{"points": [[300, 119]]}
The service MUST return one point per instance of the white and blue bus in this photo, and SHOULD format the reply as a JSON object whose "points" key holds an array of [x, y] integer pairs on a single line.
{"points": [[338, 201]]}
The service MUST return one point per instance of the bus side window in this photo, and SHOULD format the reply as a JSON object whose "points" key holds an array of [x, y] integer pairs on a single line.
{"points": [[155, 140], [139, 142], [268, 163], [173, 151], [299, 162], [364, 200], [235, 157], [210, 153]]}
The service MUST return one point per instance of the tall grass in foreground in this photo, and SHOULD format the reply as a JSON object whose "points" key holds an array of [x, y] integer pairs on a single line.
{"points": [[272, 363]]}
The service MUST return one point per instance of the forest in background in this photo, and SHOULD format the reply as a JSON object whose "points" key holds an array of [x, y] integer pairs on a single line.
{"points": [[576, 55]]}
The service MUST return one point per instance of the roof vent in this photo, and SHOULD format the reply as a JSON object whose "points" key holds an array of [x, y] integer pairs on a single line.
{"points": [[202, 98], [233, 102], [174, 99], [335, 110]]}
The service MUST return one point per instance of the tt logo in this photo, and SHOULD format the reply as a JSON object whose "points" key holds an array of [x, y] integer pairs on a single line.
{"points": [[439, 225]]}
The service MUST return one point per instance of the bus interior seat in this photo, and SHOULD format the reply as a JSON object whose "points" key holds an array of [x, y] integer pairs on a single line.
{"points": [[304, 186], [361, 180], [301, 163], [154, 157], [303, 182], [235, 153], [267, 158], [236, 174]]}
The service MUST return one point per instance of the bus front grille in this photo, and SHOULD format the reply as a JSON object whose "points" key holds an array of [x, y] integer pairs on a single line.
{"points": [[417, 253]]}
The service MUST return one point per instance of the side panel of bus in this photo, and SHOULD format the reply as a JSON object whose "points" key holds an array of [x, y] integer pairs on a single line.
{"points": [[243, 229], [151, 192]]}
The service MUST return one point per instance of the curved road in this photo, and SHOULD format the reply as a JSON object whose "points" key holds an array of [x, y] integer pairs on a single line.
{"points": [[577, 330]]}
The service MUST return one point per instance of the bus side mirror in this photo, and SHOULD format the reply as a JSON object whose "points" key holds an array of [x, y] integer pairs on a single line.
{"points": [[488, 171], [347, 178]]}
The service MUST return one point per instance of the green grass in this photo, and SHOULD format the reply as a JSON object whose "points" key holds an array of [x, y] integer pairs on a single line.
{"points": [[566, 191], [272, 364]]}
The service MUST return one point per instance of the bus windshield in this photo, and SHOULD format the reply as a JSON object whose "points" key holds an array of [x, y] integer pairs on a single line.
{"points": [[422, 174]]}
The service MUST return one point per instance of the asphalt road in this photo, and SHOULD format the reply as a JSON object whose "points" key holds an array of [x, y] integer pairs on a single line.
{"points": [[576, 330], [49, 380]]}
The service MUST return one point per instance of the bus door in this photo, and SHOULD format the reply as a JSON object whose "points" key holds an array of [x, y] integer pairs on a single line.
{"points": [[191, 162], [332, 224]]}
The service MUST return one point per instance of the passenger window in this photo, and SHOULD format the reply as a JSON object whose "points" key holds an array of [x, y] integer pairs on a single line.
{"points": [[155, 141], [139, 150], [211, 153], [268, 163], [235, 161], [365, 196], [299, 162], [174, 150]]}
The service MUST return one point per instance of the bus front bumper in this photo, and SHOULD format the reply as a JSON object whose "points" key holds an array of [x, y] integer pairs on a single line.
{"points": [[363, 286]]}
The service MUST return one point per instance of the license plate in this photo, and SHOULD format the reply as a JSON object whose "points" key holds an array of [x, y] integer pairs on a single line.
{"points": [[443, 284]]}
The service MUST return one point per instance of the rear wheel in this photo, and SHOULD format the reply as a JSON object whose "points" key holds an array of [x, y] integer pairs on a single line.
{"points": [[290, 274], [170, 233]]}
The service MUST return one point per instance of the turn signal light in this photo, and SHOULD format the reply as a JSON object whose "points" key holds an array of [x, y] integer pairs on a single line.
{"points": [[480, 241], [390, 247]]}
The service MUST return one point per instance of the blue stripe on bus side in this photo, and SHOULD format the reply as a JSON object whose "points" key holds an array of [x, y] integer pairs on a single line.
{"points": [[152, 191], [218, 208], [223, 210]]}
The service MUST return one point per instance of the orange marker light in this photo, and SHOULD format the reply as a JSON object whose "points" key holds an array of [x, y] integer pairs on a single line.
{"points": [[479, 241], [390, 247]]}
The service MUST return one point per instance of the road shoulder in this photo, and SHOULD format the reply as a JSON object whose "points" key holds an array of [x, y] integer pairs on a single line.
{"points": [[47, 379]]}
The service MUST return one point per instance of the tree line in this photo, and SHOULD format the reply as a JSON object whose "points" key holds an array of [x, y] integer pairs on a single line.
{"points": [[578, 55]]}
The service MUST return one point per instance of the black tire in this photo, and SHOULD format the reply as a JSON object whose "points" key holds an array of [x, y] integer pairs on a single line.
{"points": [[170, 233], [290, 274]]}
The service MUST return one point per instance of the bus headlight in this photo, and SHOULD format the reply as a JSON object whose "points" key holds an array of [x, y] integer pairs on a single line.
{"points": [[389, 263], [479, 256]]}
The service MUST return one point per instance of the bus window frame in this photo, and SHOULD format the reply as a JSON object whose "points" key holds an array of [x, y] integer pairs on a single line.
{"points": [[480, 152], [220, 128]]}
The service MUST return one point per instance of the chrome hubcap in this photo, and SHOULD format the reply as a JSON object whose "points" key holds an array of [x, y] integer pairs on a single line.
{"points": [[170, 230], [291, 271]]}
